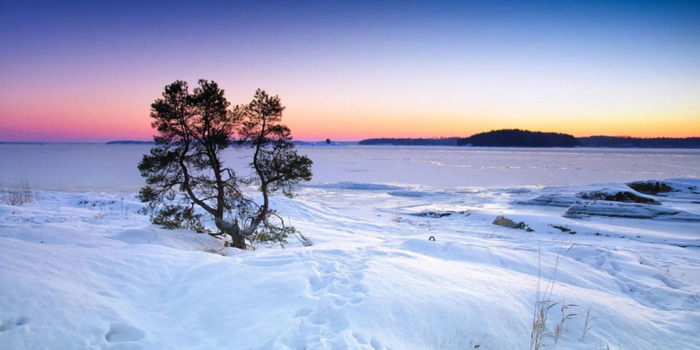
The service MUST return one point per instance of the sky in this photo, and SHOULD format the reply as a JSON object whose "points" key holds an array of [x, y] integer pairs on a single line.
{"points": [[87, 71]]}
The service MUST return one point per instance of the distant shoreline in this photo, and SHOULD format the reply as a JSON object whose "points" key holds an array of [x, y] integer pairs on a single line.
{"points": [[495, 138], [536, 139]]}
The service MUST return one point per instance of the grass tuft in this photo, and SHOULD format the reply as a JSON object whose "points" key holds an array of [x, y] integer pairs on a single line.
{"points": [[544, 304], [21, 194]]}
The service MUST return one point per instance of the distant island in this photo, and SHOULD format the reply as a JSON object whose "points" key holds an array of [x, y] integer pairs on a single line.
{"points": [[519, 138], [525, 138]]}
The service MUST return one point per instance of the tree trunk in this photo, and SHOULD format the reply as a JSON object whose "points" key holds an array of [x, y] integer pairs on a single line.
{"points": [[238, 241]]}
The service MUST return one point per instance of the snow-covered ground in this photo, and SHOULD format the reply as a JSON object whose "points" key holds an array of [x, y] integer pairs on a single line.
{"points": [[82, 269]]}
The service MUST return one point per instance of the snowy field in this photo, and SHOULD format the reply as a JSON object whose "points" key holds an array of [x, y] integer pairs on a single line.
{"points": [[82, 269]]}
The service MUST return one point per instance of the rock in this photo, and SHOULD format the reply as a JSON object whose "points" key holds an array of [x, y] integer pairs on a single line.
{"points": [[667, 188], [618, 196], [564, 229], [627, 210], [505, 222], [651, 187]]}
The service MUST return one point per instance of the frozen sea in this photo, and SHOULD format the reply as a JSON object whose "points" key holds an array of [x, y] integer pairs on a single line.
{"points": [[82, 269], [99, 167]]}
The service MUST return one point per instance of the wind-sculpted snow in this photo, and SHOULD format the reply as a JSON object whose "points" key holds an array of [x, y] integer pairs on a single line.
{"points": [[86, 270], [552, 199]]}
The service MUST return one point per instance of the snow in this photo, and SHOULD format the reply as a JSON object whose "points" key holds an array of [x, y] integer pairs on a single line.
{"points": [[83, 269]]}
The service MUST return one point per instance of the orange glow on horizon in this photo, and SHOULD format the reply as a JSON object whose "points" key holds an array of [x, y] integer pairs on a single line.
{"points": [[346, 129], [67, 129], [94, 120]]}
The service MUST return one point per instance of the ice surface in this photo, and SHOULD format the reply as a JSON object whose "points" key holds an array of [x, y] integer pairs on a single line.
{"points": [[82, 269], [113, 167]]}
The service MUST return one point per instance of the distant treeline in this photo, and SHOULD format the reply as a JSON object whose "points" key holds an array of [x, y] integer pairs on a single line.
{"points": [[524, 138], [659, 142], [519, 138]]}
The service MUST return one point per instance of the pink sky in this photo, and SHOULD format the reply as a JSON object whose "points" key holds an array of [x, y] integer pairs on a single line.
{"points": [[88, 72]]}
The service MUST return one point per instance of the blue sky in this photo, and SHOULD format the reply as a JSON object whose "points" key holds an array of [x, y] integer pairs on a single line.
{"points": [[88, 70]]}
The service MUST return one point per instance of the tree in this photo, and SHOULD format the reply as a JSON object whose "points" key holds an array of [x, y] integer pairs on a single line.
{"points": [[187, 181]]}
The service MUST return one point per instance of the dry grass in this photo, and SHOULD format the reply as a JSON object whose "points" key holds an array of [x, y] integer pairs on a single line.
{"points": [[559, 329], [214, 247], [586, 325], [220, 250], [18, 195], [544, 304]]}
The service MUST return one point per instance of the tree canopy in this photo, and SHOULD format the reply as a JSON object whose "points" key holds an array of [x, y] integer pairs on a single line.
{"points": [[187, 180]]}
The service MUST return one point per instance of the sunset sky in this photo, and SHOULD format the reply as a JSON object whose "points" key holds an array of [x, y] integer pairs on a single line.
{"points": [[87, 71]]}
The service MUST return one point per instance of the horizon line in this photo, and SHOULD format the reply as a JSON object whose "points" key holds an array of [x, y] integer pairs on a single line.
{"points": [[342, 141]]}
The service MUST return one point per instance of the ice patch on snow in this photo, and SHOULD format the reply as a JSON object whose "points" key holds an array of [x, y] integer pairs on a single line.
{"points": [[417, 194], [348, 185]]}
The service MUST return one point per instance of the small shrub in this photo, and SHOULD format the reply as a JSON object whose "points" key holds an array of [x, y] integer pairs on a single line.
{"points": [[19, 195]]}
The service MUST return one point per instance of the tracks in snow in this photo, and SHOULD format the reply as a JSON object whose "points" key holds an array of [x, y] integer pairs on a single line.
{"points": [[335, 288]]}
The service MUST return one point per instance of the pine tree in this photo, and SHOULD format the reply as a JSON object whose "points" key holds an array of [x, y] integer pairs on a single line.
{"points": [[186, 179]]}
